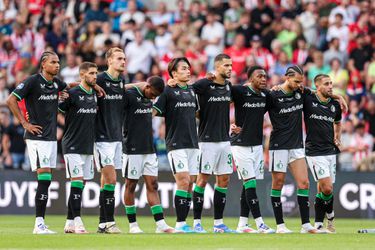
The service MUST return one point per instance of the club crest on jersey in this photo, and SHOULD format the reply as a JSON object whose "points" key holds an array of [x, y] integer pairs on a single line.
{"points": [[177, 92], [333, 109], [20, 86], [297, 95], [81, 98]]}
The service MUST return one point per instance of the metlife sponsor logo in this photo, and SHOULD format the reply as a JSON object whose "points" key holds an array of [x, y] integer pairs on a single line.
{"points": [[113, 97], [254, 105], [143, 111], [219, 99], [322, 118], [185, 105], [86, 111], [291, 109], [48, 97]]}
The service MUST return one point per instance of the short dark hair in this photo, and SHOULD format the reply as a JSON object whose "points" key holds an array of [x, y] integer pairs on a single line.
{"points": [[172, 65], [319, 77], [86, 65], [293, 70], [156, 83], [220, 57], [251, 70]]}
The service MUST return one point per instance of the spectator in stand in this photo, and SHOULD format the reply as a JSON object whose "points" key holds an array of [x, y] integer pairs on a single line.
{"points": [[309, 21], [278, 70], [262, 55], [5, 160], [162, 40], [348, 12], [362, 145], [47, 16], [184, 32], [196, 16], [217, 7], [106, 34], [245, 28], [26, 63], [356, 89], [56, 38], [162, 16], [132, 13], [238, 52], [370, 76], [360, 55], [212, 34], [140, 54], [86, 41], [339, 77], [370, 116], [4, 91], [261, 16], [95, 14], [317, 67], [301, 52], [177, 14], [340, 31], [117, 8], [232, 20], [345, 159], [21, 36], [70, 73], [334, 52]]}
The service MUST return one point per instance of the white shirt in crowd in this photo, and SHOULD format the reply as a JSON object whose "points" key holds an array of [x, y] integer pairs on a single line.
{"points": [[70, 75], [210, 33], [140, 56], [342, 33]]}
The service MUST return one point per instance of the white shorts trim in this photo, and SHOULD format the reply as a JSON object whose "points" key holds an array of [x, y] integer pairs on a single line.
{"points": [[42, 154], [78, 165], [216, 158], [280, 159], [108, 154], [322, 167], [184, 160], [249, 161], [135, 166]]}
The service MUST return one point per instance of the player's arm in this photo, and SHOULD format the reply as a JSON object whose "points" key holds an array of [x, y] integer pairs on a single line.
{"points": [[64, 104], [160, 106], [13, 106], [132, 85], [342, 101], [337, 133]]}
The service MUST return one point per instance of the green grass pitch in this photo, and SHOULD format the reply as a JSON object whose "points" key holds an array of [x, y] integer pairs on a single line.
{"points": [[16, 233]]}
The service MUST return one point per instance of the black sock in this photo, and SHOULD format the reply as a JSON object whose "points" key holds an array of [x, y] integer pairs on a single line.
{"points": [[75, 197], [188, 205], [131, 213], [245, 209], [329, 205], [220, 198], [180, 200], [304, 205], [253, 202], [277, 206], [109, 202], [319, 209], [41, 197], [198, 199], [157, 212], [102, 218], [70, 212]]}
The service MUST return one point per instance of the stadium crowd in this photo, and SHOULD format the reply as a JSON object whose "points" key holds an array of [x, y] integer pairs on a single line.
{"points": [[334, 37]]}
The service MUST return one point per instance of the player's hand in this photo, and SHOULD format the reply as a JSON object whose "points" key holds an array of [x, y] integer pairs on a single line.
{"points": [[100, 91], [235, 129], [172, 83], [33, 129], [63, 95], [338, 144], [343, 104], [210, 76], [276, 88]]}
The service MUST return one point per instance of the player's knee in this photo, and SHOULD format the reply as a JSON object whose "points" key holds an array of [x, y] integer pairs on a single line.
{"points": [[152, 186], [278, 183], [327, 189], [130, 186], [223, 181], [304, 184], [183, 184]]}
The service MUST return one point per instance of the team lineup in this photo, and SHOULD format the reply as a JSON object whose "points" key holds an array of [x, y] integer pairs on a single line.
{"points": [[108, 124]]}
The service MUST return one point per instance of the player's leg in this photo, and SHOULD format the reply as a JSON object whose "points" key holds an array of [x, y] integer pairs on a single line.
{"points": [[154, 202], [278, 167], [329, 210], [42, 159], [298, 169], [108, 153], [222, 170], [99, 166], [130, 209], [178, 160]]}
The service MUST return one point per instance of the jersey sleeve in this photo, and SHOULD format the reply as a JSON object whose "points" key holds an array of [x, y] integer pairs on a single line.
{"points": [[23, 89], [200, 86], [61, 85], [64, 105], [161, 104], [338, 113]]}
